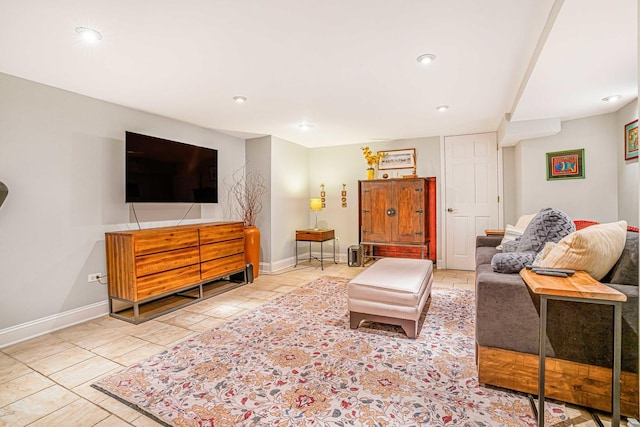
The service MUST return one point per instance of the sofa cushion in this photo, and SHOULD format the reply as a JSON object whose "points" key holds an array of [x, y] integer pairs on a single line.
{"points": [[594, 249], [625, 271], [511, 233], [511, 262], [549, 225]]}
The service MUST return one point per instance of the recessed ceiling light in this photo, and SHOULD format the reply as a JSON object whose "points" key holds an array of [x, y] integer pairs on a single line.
{"points": [[426, 58], [612, 98], [89, 35], [442, 107], [305, 126], [240, 99]]}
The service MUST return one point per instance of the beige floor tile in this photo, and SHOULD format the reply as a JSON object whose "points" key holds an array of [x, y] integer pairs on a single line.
{"points": [[37, 348], [184, 319], [120, 409], [76, 332], [140, 353], [36, 406], [23, 386], [89, 393], [165, 334], [250, 304], [60, 361], [442, 285], [10, 368], [223, 311], [207, 324], [151, 326], [285, 289], [119, 347], [465, 286], [92, 341], [78, 413], [144, 421], [84, 371], [182, 339], [112, 421]]}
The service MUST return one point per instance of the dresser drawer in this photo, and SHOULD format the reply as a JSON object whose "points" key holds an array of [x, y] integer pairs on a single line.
{"points": [[167, 281], [222, 266], [163, 261], [220, 250], [165, 241], [221, 233]]}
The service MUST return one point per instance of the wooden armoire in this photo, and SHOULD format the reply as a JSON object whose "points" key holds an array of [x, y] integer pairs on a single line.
{"points": [[397, 217]]}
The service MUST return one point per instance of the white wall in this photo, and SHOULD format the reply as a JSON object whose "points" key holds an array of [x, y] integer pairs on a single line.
{"points": [[290, 199], [62, 157], [344, 164], [258, 155], [627, 169], [596, 196], [509, 185]]}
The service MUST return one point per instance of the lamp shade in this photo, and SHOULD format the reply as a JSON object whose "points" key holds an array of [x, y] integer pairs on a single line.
{"points": [[315, 204]]}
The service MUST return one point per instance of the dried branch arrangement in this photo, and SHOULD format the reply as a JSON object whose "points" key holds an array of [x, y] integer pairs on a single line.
{"points": [[247, 189]]}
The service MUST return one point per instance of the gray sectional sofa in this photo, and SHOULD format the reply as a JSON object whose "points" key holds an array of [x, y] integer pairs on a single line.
{"points": [[579, 335]]}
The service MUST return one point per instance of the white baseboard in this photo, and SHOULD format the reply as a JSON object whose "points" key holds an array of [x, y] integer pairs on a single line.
{"points": [[35, 328]]}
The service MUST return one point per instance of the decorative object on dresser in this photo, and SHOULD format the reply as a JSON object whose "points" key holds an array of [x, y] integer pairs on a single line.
{"points": [[372, 160], [397, 217], [154, 271]]}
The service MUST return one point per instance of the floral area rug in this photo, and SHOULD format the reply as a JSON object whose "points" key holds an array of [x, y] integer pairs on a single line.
{"points": [[296, 362]]}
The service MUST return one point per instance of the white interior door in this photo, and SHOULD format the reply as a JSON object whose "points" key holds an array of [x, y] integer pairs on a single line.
{"points": [[471, 195]]}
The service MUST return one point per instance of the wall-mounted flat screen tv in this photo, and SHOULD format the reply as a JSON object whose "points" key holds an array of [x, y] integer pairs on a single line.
{"points": [[163, 171]]}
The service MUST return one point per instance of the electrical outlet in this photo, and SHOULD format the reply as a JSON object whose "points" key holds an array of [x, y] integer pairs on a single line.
{"points": [[94, 277]]}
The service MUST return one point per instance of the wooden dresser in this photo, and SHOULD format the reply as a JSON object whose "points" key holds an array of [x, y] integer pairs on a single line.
{"points": [[151, 264]]}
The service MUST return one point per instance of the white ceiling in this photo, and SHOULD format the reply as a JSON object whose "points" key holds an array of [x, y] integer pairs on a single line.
{"points": [[348, 67]]}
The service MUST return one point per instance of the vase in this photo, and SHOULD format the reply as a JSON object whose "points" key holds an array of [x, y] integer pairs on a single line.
{"points": [[371, 173], [252, 247]]}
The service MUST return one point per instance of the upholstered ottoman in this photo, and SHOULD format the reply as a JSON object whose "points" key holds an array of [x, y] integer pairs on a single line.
{"points": [[393, 291]]}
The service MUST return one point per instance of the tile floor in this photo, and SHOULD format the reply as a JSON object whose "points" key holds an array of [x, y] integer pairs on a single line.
{"points": [[46, 381]]}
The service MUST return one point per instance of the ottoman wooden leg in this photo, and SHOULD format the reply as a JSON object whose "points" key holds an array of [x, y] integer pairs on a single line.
{"points": [[410, 327], [355, 319]]}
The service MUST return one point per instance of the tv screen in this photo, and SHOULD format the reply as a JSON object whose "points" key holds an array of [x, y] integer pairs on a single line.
{"points": [[159, 170]]}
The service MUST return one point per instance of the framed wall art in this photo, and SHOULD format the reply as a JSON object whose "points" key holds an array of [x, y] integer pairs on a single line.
{"points": [[631, 140], [398, 159], [565, 165]]}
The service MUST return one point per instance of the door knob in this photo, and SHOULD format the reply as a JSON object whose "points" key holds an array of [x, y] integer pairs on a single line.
{"points": [[451, 210], [391, 211]]}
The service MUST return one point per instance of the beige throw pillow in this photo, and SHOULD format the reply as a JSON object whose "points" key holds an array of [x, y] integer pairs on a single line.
{"points": [[593, 249], [512, 232]]}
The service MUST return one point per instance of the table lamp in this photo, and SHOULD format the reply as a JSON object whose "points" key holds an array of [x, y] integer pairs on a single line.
{"points": [[316, 205]]}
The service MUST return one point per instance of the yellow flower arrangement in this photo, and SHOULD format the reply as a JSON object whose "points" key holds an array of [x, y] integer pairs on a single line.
{"points": [[370, 157]]}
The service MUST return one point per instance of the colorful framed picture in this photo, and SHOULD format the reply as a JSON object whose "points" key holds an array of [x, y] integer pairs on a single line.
{"points": [[397, 159], [565, 165], [631, 140]]}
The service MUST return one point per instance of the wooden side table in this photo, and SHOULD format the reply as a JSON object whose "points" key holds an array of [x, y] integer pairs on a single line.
{"points": [[311, 235], [580, 287]]}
